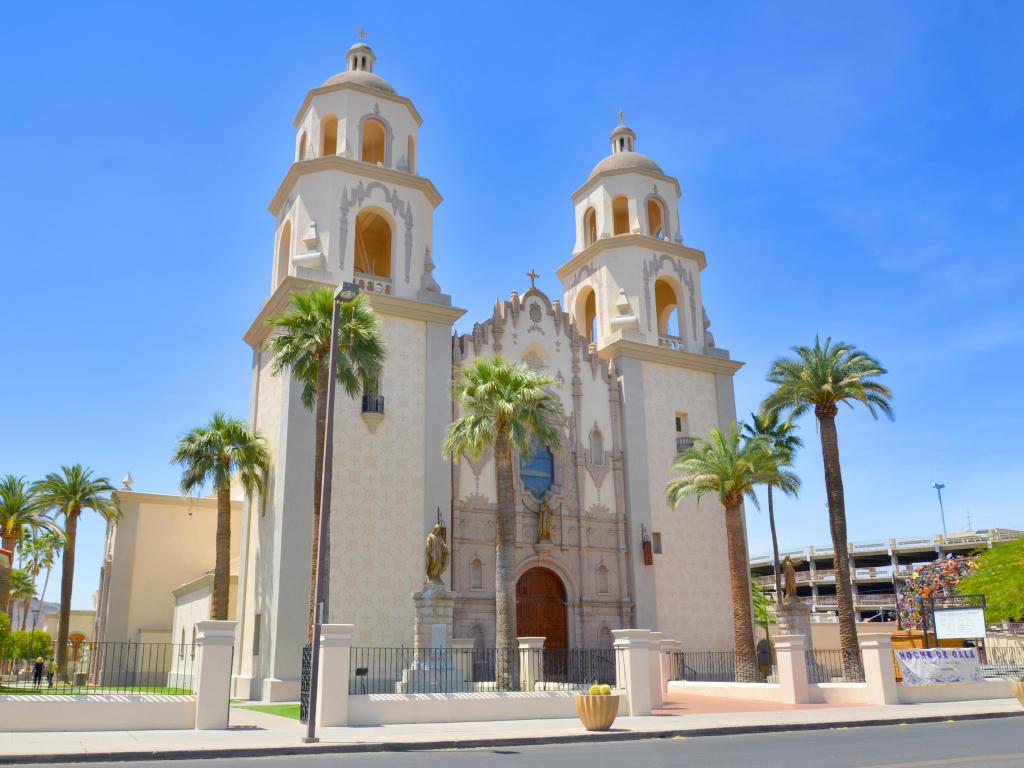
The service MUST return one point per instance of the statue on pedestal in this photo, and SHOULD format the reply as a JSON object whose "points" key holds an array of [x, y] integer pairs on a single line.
{"points": [[437, 556], [545, 522], [789, 574]]}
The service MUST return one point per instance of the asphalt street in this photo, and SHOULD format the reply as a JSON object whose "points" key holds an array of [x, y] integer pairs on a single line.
{"points": [[998, 743]]}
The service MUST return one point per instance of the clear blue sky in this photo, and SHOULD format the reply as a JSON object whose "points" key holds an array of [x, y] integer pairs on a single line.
{"points": [[855, 172]]}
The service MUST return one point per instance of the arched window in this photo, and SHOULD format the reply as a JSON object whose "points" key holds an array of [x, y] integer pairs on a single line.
{"points": [[655, 219], [410, 154], [373, 245], [538, 469], [284, 252], [329, 135], [667, 308], [602, 580], [590, 227], [620, 215], [302, 146], [476, 574], [590, 317], [375, 137]]}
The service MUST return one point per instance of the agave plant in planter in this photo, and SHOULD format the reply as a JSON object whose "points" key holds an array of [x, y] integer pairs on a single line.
{"points": [[598, 708]]}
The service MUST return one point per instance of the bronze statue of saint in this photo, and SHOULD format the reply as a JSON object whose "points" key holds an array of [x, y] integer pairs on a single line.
{"points": [[545, 522], [437, 555], [789, 572]]}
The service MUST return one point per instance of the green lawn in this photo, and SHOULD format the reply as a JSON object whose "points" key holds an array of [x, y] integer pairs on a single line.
{"points": [[85, 690], [282, 710]]}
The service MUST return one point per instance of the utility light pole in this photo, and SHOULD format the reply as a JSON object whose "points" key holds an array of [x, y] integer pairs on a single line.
{"points": [[938, 489], [345, 292]]}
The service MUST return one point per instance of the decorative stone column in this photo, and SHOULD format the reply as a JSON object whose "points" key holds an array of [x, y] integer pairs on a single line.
{"points": [[633, 659], [433, 666], [216, 640], [335, 652], [879, 669], [792, 669], [531, 662], [655, 668], [435, 611], [795, 619]]}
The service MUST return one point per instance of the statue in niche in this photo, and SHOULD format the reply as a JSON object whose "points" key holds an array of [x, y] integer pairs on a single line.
{"points": [[789, 586], [545, 521], [437, 556]]}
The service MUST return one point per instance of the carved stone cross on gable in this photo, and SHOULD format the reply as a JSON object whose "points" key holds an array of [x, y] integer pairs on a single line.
{"points": [[532, 274]]}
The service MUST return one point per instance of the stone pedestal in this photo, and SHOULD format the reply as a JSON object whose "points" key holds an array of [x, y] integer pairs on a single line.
{"points": [[795, 619], [435, 667]]}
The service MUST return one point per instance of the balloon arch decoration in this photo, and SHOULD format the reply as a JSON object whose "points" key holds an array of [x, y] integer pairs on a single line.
{"points": [[938, 579]]}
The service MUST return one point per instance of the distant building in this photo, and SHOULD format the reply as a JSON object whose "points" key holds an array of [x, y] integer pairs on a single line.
{"points": [[877, 569]]}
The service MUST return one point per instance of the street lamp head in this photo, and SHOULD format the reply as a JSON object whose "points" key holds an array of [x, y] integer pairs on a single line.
{"points": [[938, 486], [346, 291]]}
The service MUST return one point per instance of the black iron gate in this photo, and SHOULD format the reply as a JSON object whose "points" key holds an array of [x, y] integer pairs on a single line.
{"points": [[307, 666]]}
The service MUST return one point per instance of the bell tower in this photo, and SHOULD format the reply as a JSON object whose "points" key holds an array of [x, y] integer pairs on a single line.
{"points": [[633, 289]]}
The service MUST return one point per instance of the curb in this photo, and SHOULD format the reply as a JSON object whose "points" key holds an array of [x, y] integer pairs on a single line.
{"points": [[421, 746]]}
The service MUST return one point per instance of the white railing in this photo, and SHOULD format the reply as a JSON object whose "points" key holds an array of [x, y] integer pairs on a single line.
{"points": [[873, 573], [671, 342], [373, 283], [874, 599], [870, 546], [825, 574]]}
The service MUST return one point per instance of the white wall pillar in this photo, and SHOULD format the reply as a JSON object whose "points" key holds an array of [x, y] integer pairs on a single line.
{"points": [[654, 668], [215, 639], [669, 649], [879, 672], [790, 657], [633, 659], [531, 662], [333, 677]]}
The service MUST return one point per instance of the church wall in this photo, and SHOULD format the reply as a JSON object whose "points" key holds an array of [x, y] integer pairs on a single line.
{"points": [[691, 574], [378, 518], [588, 531]]}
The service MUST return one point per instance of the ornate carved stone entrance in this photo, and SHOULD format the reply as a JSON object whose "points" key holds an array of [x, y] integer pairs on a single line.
{"points": [[540, 608]]}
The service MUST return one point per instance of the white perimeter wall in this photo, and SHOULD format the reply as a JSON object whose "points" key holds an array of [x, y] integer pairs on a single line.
{"points": [[97, 713], [385, 709]]}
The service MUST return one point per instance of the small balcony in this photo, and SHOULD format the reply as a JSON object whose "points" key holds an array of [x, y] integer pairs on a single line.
{"points": [[684, 444], [373, 411], [672, 342], [373, 283]]}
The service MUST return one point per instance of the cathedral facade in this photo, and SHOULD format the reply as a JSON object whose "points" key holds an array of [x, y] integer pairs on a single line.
{"points": [[634, 365]]}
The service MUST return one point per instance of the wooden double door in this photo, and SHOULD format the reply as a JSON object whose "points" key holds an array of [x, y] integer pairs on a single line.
{"points": [[541, 609]]}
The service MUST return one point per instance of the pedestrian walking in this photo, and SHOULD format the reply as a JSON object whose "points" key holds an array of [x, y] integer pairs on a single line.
{"points": [[51, 670], [37, 672]]}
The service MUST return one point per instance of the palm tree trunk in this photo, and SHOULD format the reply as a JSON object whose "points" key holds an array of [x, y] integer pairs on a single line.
{"points": [[739, 575], [775, 547], [42, 597], [504, 571], [853, 670], [322, 380], [67, 580], [222, 563], [24, 612], [8, 543]]}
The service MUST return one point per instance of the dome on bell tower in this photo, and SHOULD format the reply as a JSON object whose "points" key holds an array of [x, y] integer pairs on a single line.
{"points": [[361, 58], [624, 156]]}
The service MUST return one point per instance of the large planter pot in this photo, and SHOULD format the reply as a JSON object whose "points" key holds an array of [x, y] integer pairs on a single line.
{"points": [[597, 712], [1018, 690]]}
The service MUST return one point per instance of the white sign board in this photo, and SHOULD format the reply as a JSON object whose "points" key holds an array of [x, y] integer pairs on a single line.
{"points": [[920, 666], [959, 623]]}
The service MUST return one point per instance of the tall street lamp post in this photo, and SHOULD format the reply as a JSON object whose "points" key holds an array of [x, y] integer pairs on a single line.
{"points": [[938, 489], [345, 292]]}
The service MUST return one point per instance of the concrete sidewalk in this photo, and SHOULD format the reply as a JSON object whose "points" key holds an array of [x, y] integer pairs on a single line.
{"points": [[260, 734]]}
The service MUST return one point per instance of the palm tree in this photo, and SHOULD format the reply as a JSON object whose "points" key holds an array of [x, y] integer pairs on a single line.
{"points": [[20, 512], [68, 493], [730, 467], [819, 378], [45, 546], [23, 589], [505, 407], [302, 345], [780, 438], [211, 454]]}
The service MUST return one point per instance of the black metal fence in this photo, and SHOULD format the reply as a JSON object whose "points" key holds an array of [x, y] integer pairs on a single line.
{"points": [[718, 667], [1002, 662], [100, 668], [304, 682], [824, 666]]}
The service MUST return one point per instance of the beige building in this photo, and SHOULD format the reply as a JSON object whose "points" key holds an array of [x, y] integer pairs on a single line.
{"points": [[157, 554], [637, 372]]}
